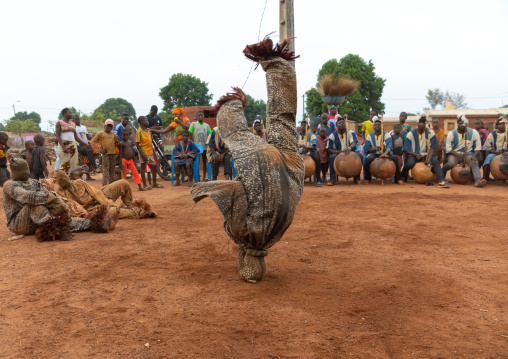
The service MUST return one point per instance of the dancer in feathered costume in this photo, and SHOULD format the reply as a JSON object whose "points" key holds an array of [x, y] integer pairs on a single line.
{"points": [[259, 205]]}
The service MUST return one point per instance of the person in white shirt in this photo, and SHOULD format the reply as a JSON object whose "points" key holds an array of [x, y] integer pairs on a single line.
{"points": [[87, 151]]}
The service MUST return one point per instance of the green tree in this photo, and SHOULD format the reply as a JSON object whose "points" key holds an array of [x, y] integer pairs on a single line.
{"points": [[2, 127], [437, 98], [411, 114], [73, 110], [97, 118], [368, 96], [33, 116], [253, 109], [114, 108], [166, 117], [185, 91], [20, 127]]}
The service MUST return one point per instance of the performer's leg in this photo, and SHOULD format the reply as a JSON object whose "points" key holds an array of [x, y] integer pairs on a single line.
{"points": [[368, 160], [215, 170], [486, 166], [227, 165], [357, 178], [437, 169], [118, 189], [474, 168], [410, 163], [317, 161], [397, 167], [333, 175], [27, 219], [451, 161]]}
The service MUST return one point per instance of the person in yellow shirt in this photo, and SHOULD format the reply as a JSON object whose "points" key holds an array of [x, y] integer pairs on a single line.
{"points": [[368, 126], [146, 155], [441, 139], [109, 146]]}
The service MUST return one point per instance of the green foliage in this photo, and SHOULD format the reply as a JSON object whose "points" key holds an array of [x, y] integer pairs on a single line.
{"points": [[314, 104], [20, 127], [166, 117], [411, 114], [368, 96], [24, 116], [253, 109], [113, 108], [504, 106], [97, 118], [2, 127], [185, 91], [73, 110]]}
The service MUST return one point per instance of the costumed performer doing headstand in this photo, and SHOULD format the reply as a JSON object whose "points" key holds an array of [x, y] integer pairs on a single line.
{"points": [[31, 209], [259, 205]]}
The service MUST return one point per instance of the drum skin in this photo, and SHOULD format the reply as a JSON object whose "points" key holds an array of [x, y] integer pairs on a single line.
{"points": [[382, 168], [309, 164], [494, 169], [455, 174], [422, 173], [348, 166]]}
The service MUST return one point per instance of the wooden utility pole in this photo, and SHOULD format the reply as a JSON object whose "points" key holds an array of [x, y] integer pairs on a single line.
{"points": [[287, 23]]}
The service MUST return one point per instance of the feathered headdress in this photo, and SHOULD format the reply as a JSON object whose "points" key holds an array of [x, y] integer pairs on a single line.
{"points": [[265, 49], [237, 94]]}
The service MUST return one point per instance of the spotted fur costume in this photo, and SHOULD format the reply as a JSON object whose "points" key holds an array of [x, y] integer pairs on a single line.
{"points": [[259, 205]]}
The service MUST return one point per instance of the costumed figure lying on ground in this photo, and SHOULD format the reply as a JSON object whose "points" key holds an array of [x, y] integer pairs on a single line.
{"points": [[31, 209], [90, 197], [259, 205]]}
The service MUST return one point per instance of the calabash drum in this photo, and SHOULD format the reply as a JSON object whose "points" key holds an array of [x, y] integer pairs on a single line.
{"points": [[494, 169], [382, 168], [348, 166], [461, 175], [422, 173], [309, 164]]}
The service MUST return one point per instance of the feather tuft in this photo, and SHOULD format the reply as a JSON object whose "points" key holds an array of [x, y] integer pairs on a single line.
{"points": [[237, 94], [265, 49], [55, 229], [342, 86], [146, 209], [98, 218]]}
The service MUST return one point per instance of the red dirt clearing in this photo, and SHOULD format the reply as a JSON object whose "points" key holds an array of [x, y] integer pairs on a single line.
{"points": [[364, 271]]}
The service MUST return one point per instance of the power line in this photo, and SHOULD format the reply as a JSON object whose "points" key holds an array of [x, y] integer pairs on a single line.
{"points": [[259, 33]]}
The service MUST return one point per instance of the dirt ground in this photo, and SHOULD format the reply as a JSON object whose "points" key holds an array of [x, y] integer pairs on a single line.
{"points": [[365, 271]]}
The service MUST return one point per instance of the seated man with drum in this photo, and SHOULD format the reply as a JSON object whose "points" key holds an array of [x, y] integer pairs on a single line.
{"points": [[307, 145], [456, 143], [420, 146], [496, 144], [373, 149], [338, 143]]}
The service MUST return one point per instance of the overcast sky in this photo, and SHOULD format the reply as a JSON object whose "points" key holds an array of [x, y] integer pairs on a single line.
{"points": [[79, 53]]}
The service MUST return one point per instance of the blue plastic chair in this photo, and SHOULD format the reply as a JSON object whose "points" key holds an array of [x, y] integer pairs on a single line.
{"points": [[231, 175], [195, 165]]}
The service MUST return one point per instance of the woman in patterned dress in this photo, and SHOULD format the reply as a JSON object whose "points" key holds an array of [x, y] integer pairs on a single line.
{"points": [[67, 137]]}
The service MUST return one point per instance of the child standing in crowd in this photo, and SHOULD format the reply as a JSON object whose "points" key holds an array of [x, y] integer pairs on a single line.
{"points": [[322, 141], [4, 172], [109, 143], [127, 157], [57, 161], [145, 150], [398, 142], [185, 153], [201, 130], [39, 165], [404, 127], [27, 155]]}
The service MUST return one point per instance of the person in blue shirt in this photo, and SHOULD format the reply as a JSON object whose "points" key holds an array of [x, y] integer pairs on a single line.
{"points": [[120, 126], [373, 150], [330, 127]]}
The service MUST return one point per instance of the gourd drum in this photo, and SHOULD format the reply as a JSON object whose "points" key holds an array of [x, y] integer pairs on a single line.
{"points": [[382, 168], [461, 175], [422, 173], [494, 169], [348, 166], [309, 165]]}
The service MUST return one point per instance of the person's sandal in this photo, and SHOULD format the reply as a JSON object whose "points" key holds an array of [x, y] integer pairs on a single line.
{"points": [[330, 183], [319, 184], [481, 183], [443, 185]]}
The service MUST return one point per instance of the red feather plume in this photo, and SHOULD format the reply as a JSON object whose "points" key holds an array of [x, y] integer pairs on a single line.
{"points": [[237, 94], [265, 49]]}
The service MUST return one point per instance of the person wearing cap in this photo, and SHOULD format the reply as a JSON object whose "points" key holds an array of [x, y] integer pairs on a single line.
{"points": [[109, 148], [257, 125], [464, 141], [496, 144], [420, 145]]}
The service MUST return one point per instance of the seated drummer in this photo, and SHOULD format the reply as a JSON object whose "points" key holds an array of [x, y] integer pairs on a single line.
{"points": [[337, 144], [496, 144], [415, 148], [455, 149], [218, 153], [309, 146], [372, 149]]}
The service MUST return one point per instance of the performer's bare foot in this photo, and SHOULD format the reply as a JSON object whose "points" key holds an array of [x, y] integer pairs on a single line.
{"points": [[191, 182], [177, 182], [112, 220]]}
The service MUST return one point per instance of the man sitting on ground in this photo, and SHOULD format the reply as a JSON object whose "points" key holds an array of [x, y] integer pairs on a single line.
{"points": [[460, 141], [416, 148], [31, 209]]}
